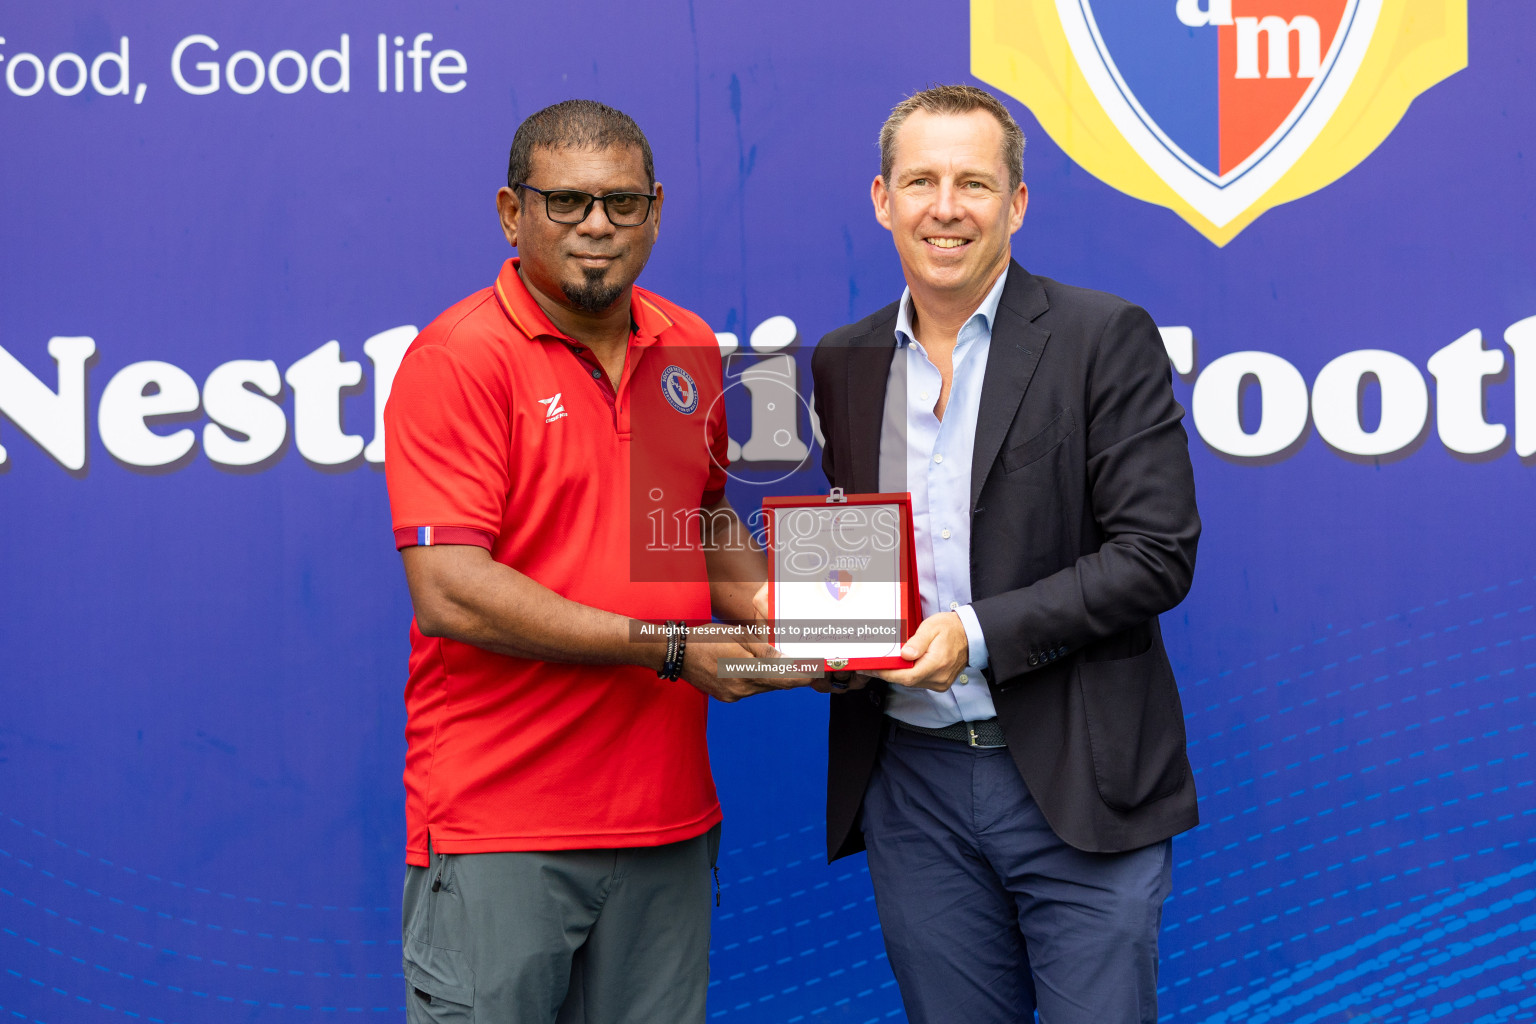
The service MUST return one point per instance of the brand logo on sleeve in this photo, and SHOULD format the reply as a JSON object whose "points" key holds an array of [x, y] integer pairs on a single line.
{"points": [[679, 387], [1218, 109], [554, 410]]}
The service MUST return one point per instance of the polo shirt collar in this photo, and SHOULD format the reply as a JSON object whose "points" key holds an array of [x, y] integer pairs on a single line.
{"points": [[647, 320]]}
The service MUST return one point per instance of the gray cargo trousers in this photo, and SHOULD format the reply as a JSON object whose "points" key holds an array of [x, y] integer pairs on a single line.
{"points": [[618, 936]]}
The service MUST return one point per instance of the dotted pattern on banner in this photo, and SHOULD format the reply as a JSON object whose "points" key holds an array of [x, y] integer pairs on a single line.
{"points": [[1428, 926], [163, 951], [6, 854], [253, 1003], [1495, 588], [99, 935], [795, 940], [1360, 774], [200, 890]]}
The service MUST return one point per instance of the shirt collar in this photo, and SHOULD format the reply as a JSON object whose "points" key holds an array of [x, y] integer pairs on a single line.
{"points": [[987, 311], [647, 320]]}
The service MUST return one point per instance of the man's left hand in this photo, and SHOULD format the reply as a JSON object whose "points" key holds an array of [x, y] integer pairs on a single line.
{"points": [[938, 651]]}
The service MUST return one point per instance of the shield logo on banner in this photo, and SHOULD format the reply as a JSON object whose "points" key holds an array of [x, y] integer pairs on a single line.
{"points": [[1218, 109]]}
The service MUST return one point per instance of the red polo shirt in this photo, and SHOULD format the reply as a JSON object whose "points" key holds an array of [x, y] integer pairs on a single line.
{"points": [[503, 433]]}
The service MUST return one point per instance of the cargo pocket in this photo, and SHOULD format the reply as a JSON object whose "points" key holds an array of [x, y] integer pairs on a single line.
{"points": [[1135, 728], [439, 985]]}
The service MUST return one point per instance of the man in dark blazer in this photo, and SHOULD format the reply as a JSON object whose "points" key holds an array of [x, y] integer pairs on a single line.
{"points": [[1018, 784]]}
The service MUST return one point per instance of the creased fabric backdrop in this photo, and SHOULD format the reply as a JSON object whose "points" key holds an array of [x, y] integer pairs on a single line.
{"points": [[203, 620]]}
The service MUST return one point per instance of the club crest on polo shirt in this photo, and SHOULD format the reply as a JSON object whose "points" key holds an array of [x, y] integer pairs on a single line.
{"points": [[681, 390]]}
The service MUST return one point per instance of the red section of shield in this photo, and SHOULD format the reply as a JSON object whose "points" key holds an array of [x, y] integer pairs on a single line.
{"points": [[1251, 109]]}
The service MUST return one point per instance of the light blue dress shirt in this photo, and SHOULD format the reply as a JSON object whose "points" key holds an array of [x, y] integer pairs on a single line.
{"points": [[932, 459]]}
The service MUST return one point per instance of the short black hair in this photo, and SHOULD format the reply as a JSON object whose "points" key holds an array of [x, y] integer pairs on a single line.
{"points": [[578, 124]]}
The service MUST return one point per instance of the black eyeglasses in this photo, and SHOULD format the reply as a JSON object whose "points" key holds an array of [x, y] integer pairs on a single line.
{"points": [[568, 206]]}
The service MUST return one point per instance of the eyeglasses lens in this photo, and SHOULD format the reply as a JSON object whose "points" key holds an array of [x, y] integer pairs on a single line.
{"points": [[624, 209]]}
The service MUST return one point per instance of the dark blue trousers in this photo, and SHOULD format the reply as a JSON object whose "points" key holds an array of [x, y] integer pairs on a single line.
{"points": [[987, 915]]}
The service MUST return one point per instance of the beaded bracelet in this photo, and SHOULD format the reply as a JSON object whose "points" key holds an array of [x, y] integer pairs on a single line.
{"points": [[677, 645]]}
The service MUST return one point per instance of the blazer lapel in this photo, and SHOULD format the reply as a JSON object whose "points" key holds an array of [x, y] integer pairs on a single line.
{"points": [[1015, 351], [868, 369]]}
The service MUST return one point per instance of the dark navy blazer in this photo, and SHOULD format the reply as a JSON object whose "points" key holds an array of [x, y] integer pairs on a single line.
{"points": [[1083, 531]]}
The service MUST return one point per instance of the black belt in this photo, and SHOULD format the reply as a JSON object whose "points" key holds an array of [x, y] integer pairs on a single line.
{"points": [[986, 733]]}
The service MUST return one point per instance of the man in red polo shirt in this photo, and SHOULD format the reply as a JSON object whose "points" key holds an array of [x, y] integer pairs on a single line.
{"points": [[562, 821]]}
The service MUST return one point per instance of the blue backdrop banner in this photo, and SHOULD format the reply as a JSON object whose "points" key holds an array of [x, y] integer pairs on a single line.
{"points": [[224, 223]]}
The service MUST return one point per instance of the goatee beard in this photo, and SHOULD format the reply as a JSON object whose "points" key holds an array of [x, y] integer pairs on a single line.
{"points": [[592, 295]]}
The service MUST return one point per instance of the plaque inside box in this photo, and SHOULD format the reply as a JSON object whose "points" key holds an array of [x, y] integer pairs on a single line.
{"points": [[842, 578]]}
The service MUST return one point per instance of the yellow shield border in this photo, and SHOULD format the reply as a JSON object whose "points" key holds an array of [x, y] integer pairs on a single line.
{"points": [[1021, 49]]}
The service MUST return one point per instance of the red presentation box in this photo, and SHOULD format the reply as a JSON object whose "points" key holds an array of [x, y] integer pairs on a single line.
{"points": [[835, 561]]}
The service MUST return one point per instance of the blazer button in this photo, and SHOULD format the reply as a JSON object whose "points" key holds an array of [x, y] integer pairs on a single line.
{"points": [[1033, 661]]}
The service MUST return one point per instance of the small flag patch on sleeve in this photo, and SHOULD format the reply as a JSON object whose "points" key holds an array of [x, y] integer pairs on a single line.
{"points": [[436, 536]]}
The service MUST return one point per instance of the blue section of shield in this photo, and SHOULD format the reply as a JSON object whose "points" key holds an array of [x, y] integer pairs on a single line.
{"points": [[1170, 68]]}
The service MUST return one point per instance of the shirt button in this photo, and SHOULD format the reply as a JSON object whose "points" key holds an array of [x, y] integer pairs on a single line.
{"points": [[963, 679], [944, 533], [923, 396], [596, 374], [938, 458], [954, 606]]}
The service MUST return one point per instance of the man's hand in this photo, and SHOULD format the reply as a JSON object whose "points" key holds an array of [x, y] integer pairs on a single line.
{"points": [[762, 648], [736, 569], [760, 644], [701, 669], [760, 606], [938, 651], [835, 682]]}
